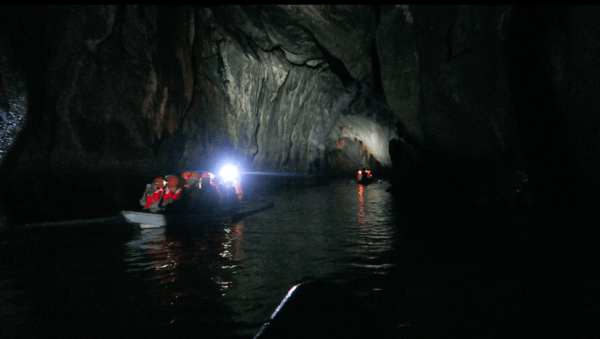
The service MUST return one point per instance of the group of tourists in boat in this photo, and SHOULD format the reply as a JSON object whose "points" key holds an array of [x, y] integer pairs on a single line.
{"points": [[364, 176], [192, 190]]}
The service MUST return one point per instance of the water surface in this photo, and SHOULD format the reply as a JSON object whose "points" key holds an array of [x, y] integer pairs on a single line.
{"points": [[218, 279]]}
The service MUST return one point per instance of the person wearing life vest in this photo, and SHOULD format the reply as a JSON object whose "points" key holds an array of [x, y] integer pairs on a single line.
{"points": [[172, 191], [153, 195], [364, 174], [237, 185], [210, 191], [207, 178], [191, 179], [231, 182], [191, 190]]}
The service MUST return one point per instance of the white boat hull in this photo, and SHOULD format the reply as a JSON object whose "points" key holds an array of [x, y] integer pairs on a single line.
{"points": [[145, 219]]}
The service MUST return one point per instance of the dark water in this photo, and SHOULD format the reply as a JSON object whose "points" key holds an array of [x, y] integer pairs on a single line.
{"points": [[425, 270], [212, 280]]}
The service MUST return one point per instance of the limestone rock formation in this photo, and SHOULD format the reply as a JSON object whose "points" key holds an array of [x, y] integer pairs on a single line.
{"points": [[272, 66], [114, 95], [126, 93]]}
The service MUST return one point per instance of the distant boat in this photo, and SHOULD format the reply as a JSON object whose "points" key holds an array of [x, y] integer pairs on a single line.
{"points": [[364, 177]]}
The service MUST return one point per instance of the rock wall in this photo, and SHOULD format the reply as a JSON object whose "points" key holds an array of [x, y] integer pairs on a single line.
{"points": [[126, 93], [274, 112], [284, 81], [447, 82], [554, 66], [106, 85], [115, 95]]}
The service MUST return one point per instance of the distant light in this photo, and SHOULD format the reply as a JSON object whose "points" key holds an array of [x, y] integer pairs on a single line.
{"points": [[229, 173]]}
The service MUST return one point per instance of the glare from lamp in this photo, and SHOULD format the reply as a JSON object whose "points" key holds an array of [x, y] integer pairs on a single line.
{"points": [[229, 173]]}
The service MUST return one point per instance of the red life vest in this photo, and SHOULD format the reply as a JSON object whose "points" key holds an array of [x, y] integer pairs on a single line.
{"points": [[153, 198], [238, 189], [363, 175], [173, 195]]}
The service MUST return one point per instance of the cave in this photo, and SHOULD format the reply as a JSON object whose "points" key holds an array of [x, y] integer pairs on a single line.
{"points": [[468, 105]]}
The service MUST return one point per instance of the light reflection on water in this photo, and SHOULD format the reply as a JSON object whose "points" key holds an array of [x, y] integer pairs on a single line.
{"points": [[224, 279]]}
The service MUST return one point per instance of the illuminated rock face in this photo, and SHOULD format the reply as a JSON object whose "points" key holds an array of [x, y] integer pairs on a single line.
{"points": [[116, 95], [280, 78], [274, 112]]}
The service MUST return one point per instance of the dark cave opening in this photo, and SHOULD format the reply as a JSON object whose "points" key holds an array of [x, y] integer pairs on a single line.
{"points": [[540, 120]]}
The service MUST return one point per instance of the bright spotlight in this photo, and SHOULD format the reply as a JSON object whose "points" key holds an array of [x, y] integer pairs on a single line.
{"points": [[229, 173]]}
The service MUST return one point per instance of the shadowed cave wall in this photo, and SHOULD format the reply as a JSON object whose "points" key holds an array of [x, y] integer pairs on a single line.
{"points": [[492, 102]]}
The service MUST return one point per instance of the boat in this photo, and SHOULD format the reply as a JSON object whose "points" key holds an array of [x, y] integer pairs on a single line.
{"points": [[364, 177], [164, 218], [155, 220]]}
